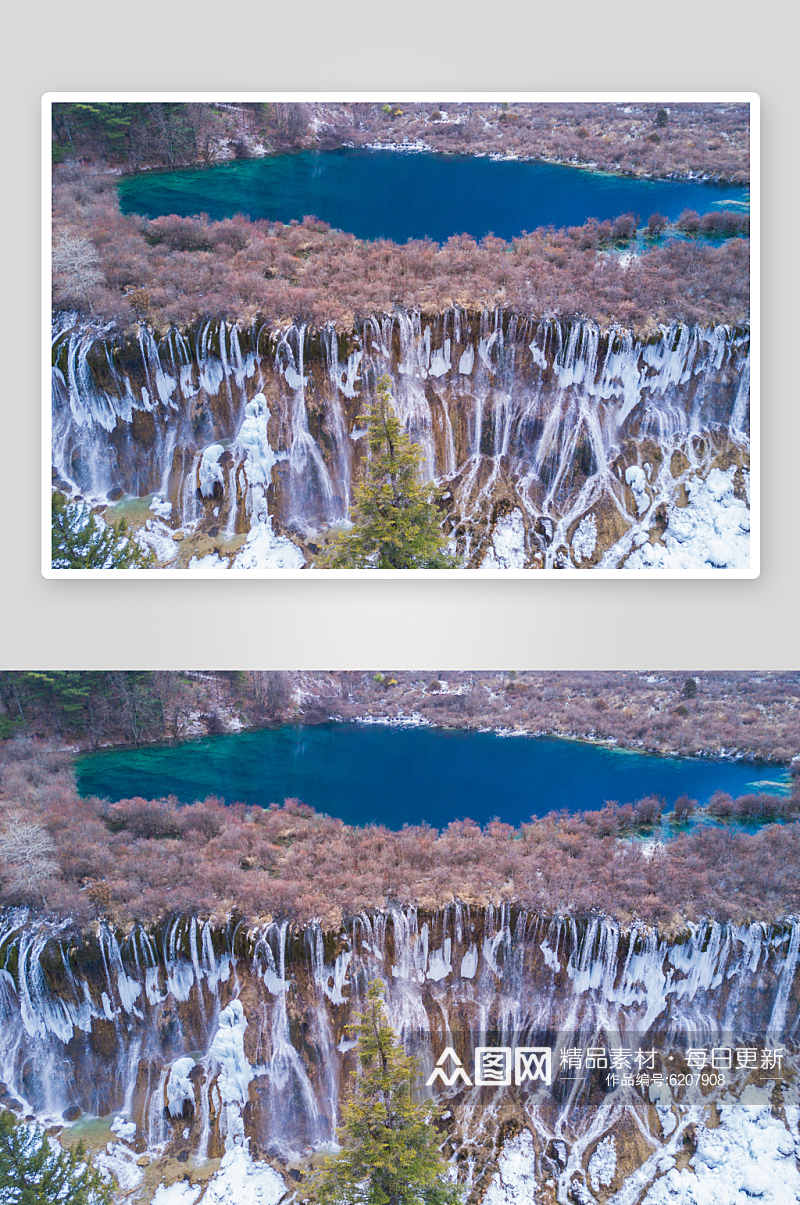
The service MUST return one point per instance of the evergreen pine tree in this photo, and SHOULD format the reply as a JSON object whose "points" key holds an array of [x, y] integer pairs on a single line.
{"points": [[80, 541], [389, 1150], [395, 519], [32, 1172]]}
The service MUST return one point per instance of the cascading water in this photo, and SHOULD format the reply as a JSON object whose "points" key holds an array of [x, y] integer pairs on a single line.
{"points": [[109, 1024], [530, 426]]}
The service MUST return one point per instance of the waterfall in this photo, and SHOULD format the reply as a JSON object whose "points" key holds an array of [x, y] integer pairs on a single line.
{"points": [[211, 1037], [539, 417]]}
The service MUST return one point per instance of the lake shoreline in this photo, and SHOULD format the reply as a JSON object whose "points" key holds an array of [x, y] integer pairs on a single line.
{"points": [[411, 721], [431, 774], [579, 165], [730, 717], [334, 185]]}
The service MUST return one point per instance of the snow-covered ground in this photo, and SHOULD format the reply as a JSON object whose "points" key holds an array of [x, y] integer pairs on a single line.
{"points": [[750, 1156], [412, 720], [266, 550], [514, 1182], [508, 543], [157, 537], [713, 531], [239, 1181], [119, 1161], [584, 540]]}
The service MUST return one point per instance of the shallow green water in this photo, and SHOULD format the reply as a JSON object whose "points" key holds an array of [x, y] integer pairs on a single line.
{"points": [[385, 194], [394, 776]]}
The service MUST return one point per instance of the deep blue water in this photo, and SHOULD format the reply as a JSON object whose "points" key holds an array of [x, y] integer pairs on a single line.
{"points": [[394, 776], [399, 196]]}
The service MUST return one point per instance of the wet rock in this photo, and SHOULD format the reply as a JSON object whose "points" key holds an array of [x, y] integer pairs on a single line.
{"points": [[202, 1174], [679, 463]]}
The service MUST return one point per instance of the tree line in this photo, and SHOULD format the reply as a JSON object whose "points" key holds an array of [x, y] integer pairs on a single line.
{"points": [[96, 707], [172, 133]]}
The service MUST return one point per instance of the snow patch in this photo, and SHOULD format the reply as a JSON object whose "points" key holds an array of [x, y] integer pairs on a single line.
{"points": [[584, 540], [210, 471], [203, 563], [263, 548], [603, 1163], [550, 957], [241, 1181], [119, 1162], [179, 1087], [235, 1072], [126, 1130], [638, 482], [179, 1193], [515, 1178], [508, 543], [537, 355], [155, 536], [661, 1097], [751, 1155], [440, 360], [712, 531], [469, 963], [266, 550], [161, 507]]}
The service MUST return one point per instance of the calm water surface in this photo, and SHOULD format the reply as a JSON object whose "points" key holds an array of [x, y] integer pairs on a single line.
{"points": [[395, 776], [385, 194]]}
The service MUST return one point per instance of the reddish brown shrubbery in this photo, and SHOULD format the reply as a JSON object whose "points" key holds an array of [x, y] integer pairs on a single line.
{"points": [[708, 140], [143, 859], [752, 807], [174, 270], [753, 715]]}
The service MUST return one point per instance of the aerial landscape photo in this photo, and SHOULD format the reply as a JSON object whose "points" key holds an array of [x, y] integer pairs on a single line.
{"points": [[377, 335], [416, 938]]}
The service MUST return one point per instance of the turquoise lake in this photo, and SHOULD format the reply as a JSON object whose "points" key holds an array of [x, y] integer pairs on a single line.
{"points": [[370, 773], [402, 196]]}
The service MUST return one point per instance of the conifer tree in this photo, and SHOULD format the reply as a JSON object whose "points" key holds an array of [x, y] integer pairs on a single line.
{"points": [[80, 541], [389, 1150], [395, 519], [32, 1172]]}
